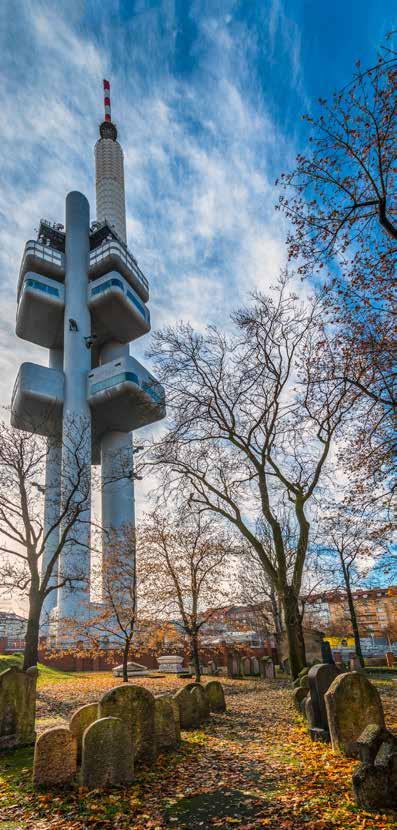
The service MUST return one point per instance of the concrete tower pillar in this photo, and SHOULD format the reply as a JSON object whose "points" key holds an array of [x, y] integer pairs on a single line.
{"points": [[116, 447], [52, 504], [74, 563]]}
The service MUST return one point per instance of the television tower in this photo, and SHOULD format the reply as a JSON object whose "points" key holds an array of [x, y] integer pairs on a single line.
{"points": [[82, 296]]}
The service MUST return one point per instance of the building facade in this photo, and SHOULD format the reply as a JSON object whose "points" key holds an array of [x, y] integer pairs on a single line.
{"points": [[376, 610]]}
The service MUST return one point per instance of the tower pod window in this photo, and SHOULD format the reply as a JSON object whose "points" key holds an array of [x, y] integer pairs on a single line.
{"points": [[113, 381], [47, 289], [105, 285]]}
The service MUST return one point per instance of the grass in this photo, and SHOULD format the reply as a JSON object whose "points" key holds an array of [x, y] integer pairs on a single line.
{"points": [[46, 674]]}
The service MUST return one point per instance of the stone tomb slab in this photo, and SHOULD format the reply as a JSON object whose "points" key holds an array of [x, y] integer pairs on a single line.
{"points": [[168, 733], [81, 719]]}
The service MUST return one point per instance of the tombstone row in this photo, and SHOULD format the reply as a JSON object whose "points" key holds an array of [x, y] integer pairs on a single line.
{"points": [[345, 707], [239, 666], [105, 741]]}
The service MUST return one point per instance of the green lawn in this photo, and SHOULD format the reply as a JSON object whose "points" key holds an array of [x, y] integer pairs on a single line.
{"points": [[46, 674]]}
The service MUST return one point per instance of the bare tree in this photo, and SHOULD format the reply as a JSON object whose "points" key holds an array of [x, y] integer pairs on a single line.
{"points": [[352, 538], [23, 534], [187, 555], [244, 440], [341, 200]]}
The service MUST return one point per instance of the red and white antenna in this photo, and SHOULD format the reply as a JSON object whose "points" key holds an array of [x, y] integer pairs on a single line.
{"points": [[106, 100]]}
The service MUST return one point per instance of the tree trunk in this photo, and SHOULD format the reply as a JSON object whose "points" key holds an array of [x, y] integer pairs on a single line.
{"points": [[196, 658], [31, 650], [293, 627], [126, 651], [353, 615]]}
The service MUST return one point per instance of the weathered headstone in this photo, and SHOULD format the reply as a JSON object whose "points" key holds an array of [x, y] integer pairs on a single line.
{"points": [[375, 779], [326, 653], [79, 722], [189, 715], [201, 701], [255, 666], [55, 758], [352, 703], [267, 670], [107, 754], [389, 659], [233, 664], [298, 696], [246, 666], [17, 707], [320, 678], [166, 719], [134, 705], [216, 696], [309, 711]]}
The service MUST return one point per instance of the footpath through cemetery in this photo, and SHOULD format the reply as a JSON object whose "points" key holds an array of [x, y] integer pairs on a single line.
{"points": [[163, 751]]}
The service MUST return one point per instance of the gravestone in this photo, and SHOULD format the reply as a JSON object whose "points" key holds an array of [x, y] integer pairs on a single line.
{"points": [[267, 669], [216, 696], [80, 720], [375, 779], [166, 720], [201, 700], [352, 703], [133, 670], [135, 706], [246, 666], [17, 707], [326, 653], [320, 678], [107, 754], [189, 716], [298, 696], [255, 666], [55, 758], [233, 664]]}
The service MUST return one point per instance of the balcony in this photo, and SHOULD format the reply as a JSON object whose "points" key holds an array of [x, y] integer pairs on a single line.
{"points": [[117, 310], [43, 260], [124, 396], [40, 311], [112, 256], [37, 399]]}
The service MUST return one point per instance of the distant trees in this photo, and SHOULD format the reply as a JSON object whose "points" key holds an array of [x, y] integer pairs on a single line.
{"points": [[341, 201], [246, 440], [188, 558], [23, 533]]}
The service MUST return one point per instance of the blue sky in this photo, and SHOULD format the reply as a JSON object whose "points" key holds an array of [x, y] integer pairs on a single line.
{"points": [[208, 97]]}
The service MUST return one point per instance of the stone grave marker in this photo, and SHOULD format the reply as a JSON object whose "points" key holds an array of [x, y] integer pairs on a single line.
{"points": [[216, 696], [55, 758], [298, 696], [170, 664], [17, 707], [255, 666], [352, 703], [267, 669], [135, 706], [107, 754], [375, 778], [166, 719], [246, 666], [326, 653], [80, 720], [201, 701], [189, 715], [320, 678]]}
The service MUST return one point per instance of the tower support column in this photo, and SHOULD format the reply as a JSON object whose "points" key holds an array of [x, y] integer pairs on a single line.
{"points": [[74, 563], [52, 506]]}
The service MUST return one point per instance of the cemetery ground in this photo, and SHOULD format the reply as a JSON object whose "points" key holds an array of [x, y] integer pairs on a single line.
{"points": [[253, 766]]}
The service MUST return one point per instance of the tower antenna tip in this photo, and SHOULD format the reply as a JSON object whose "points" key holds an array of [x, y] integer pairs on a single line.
{"points": [[106, 100]]}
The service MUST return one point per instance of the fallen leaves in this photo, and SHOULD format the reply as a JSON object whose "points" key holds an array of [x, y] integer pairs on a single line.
{"points": [[252, 767]]}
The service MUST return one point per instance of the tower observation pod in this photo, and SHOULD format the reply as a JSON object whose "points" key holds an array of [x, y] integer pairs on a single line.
{"points": [[82, 295]]}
